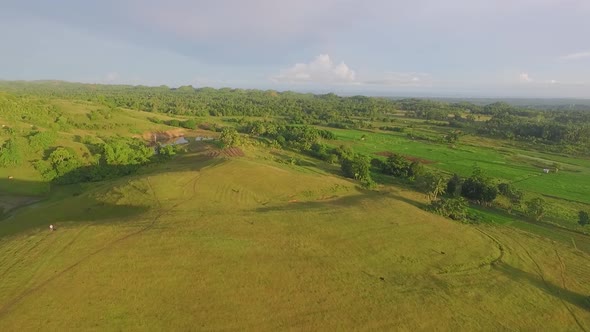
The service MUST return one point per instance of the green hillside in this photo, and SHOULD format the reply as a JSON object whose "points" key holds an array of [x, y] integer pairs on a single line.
{"points": [[238, 243], [270, 218]]}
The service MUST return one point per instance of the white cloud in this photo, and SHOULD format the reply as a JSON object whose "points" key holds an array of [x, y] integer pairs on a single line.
{"points": [[321, 70], [576, 56], [409, 79], [524, 77]]}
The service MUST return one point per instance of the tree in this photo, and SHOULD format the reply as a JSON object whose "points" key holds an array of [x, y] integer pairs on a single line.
{"points": [[125, 151], [397, 166], [173, 123], [257, 129], [536, 208], [11, 153], [64, 160], [432, 185], [454, 208], [344, 152], [230, 137], [358, 167], [514, 195], [166, 151], [189, 124], [454, 186], [319, 150], [479, 188], [415, 169], [39, 141], [453, 136], [583, 218], [504, 188], [332, 159], [60, 164]]}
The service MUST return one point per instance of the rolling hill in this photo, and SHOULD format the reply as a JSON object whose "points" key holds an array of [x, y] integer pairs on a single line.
{"points": [[248, 243]]}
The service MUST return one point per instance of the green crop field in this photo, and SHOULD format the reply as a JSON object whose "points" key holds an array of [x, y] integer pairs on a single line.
{"points": [[242, 243], [523, 168]]}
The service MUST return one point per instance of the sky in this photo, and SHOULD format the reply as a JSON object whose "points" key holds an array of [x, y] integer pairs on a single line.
{"points": [[454, 48]]}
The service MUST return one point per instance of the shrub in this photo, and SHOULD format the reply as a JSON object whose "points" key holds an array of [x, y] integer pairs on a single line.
{"points": [[583, 218], [230, 137], [189, 124], [536, 208], [358, 168], [166, 151], [454, 208], [11, 153]]}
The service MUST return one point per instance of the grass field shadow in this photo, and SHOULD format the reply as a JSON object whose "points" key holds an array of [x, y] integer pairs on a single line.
{"points": [[579, 300], [84, 209], [337, 203]]}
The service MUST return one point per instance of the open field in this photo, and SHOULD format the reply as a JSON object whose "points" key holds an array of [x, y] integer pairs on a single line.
{"points": [[259, 237], [522, 168], [294, 250]]}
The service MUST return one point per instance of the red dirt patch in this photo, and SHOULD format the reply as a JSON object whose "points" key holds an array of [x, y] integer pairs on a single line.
{"points": [[163, 135], [213, 153], [230, 152], [233, 152], [409, 158]]}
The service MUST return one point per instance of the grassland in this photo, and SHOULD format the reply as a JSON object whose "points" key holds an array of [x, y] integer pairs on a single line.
{"points": [[523, 168], [211, 241], [243, 243], [567, 190]]}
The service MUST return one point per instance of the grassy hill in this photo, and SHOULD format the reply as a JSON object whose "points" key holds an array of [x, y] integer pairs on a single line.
{"points": [[265, 236], [248, 243]]}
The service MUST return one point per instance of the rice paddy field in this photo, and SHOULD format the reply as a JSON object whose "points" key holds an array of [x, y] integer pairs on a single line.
{"points": [[522, 168]]}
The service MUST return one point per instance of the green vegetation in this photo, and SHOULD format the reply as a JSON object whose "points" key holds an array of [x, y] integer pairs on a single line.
{"points": [[454, 208], [536, 208], [230, 137], [432, 185], [11, 153], [357, 167], [479, 188], [584, 219], [313, 212]]}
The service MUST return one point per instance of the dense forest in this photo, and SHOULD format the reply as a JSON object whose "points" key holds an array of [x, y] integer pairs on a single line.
{"points": [[559, 128]]}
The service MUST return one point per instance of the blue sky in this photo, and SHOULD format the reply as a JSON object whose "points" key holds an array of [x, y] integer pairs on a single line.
{"points": [[484, 48]]}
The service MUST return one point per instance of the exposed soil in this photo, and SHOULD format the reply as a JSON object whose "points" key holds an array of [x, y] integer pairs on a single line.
{"points": [[409, 158], [233, 152], [230, 152], [163, 136], [213, 153]]}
